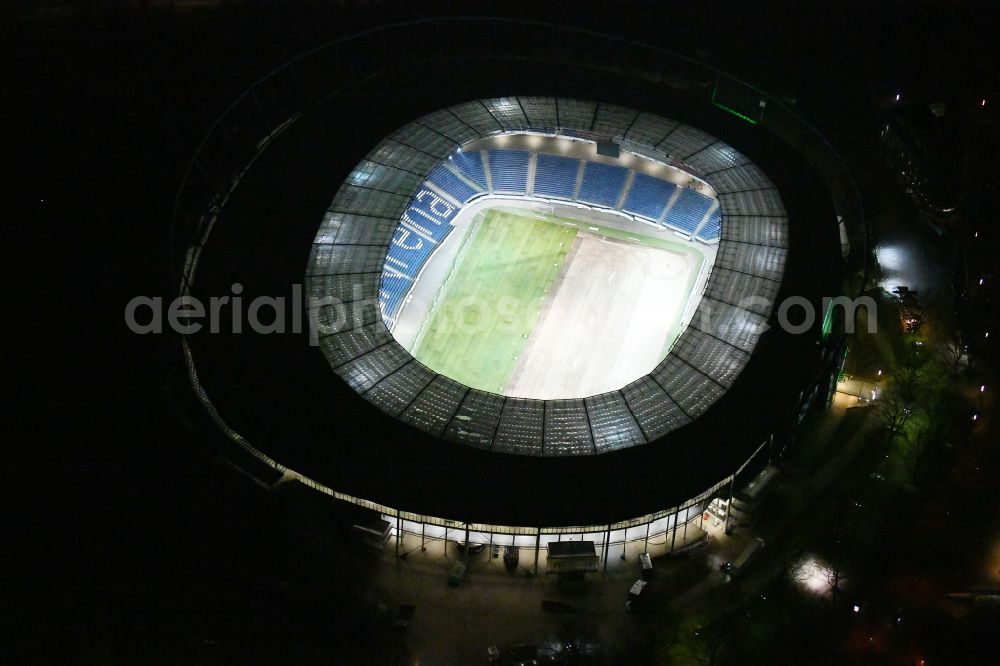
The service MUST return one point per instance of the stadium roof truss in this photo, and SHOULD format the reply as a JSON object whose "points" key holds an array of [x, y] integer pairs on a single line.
{"points": [[352, 243]]}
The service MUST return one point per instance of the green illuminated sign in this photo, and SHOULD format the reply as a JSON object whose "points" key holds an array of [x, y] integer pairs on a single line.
{"points": [[735, 113], [828, 321]]}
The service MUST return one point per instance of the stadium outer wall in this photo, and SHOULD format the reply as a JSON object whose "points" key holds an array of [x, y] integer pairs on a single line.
{"points": [[265, 133]]}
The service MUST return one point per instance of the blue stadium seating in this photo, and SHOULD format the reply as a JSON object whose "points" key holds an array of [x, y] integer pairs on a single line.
{"points": [[471, 165], [648, 196], [408, 251], [430, 214], [555, 176], [602, 184], [688, 211], [393, 288], [451, 184], [509, 169], [426, 222], [712, 230]]}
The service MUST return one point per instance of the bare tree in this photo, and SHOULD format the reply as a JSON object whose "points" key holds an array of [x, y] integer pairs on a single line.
{"points": [[909, 373], [949, 351], [894, 409]]}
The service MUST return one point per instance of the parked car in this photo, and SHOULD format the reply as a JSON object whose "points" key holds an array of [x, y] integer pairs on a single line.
{"points": [[635, 595]]}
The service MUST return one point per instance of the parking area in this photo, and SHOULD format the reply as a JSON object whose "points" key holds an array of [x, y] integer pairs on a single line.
{"points": [[494, 605]]}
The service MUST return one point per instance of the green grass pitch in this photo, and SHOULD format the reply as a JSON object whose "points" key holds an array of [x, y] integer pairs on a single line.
{"points": [[494, 290], [489, 302]]}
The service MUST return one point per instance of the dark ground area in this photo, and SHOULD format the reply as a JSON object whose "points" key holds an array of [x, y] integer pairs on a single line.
{"points": [[131, 543]]}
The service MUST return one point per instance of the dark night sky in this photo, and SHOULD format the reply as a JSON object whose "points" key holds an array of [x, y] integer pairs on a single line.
{"points": [[101, 114]]}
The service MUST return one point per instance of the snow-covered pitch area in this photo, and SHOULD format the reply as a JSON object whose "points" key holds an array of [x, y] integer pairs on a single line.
{"points": [[623, 293], [610, 319]]}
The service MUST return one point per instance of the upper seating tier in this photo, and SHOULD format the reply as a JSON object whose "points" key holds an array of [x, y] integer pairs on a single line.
{"points": [[427, 219]]}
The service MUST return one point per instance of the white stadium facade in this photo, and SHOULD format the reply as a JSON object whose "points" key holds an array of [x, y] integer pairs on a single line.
{"points": [[381, 140]]}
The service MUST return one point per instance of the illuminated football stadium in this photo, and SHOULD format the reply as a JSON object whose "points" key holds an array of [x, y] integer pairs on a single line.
{"points": [[604, 263], [543, 287]]}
